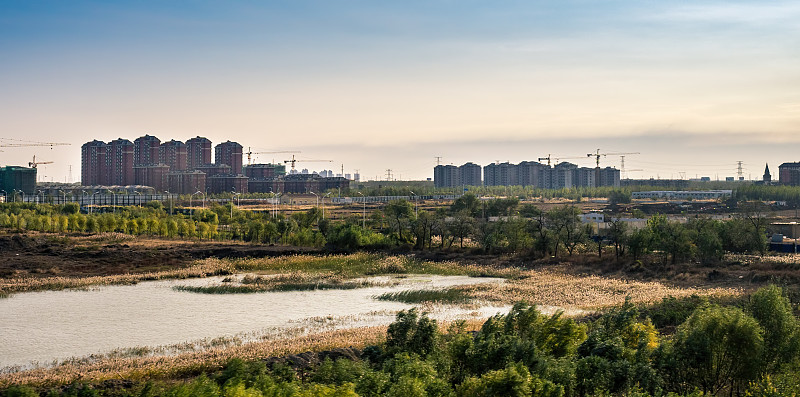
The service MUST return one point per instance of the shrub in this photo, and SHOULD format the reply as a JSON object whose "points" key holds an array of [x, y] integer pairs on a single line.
{"points": [[413, 333]]}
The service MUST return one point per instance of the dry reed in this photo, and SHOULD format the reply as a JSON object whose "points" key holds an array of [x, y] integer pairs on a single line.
{"points": [[193, 363], [345, 266], [205, 268], [187, 364], [293, 281], [582, 292]]}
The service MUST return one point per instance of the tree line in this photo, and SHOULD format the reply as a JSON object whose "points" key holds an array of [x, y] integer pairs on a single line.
{"points": [[505, 226], [490, 226]]}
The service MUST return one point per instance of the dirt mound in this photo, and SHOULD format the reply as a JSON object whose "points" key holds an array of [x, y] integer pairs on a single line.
{"points": [[18, 243]]}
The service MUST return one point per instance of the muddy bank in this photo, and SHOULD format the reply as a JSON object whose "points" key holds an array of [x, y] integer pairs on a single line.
{"points": [[746, 271], [42, 255], [46, 255]]}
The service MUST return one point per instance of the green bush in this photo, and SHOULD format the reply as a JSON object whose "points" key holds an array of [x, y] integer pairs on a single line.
{"points": [[718, 348], [412, 333]]}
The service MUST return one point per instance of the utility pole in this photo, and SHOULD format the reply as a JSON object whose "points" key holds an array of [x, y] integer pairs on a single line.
{"points": [[597, 156], [739, 171], [438, 160]]}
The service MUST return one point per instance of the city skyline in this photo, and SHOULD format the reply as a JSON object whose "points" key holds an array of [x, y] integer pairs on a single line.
{"points": [[693, 87]]}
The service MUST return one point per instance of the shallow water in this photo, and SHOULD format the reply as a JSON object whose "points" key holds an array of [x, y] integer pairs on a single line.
{"points": [[43, 327]]}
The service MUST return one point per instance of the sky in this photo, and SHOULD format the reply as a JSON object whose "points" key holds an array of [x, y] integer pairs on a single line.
{"points": [[692, 87]]}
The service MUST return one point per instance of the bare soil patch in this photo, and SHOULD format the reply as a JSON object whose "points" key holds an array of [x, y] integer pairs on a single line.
{"points": [[48, 255]]}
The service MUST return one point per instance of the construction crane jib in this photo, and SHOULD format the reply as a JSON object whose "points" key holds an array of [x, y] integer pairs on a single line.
{"points": [[249, 153], [19, 143], [597, 155], [294, 160], [35, 163], [557, 159]]}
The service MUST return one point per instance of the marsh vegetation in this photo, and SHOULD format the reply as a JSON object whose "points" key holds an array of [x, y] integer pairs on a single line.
{"points": [[747, 347]]}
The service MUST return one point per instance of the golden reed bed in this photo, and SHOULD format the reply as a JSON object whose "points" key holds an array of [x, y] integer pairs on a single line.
{"points": [[573, 293]]}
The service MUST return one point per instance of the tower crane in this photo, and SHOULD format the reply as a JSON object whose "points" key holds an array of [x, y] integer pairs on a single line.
{"points": [[34, 163], [294, 160], [597, 155], [250, 152], [549, 157]]}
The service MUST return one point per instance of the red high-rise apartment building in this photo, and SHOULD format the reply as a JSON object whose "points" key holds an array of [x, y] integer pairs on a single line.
{"points": [[198, 152], [227, 183], [154, 175], [186, 182], [215, 169], [145, 150], [94, 163], [173, 154], [120, 162], [229, 153]]}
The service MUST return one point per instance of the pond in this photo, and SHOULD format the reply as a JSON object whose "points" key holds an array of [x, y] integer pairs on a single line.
{"points": [[41, 328]]}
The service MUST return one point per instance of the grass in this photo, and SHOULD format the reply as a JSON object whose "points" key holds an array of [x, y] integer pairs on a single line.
{"points": [[574, 294], [144, 366], [299, 272], [189, 364], [27, 284], [248, 289], [584, 292], [344, 266], [449, 295], [365, 264], [294, 281], [219, 289]]}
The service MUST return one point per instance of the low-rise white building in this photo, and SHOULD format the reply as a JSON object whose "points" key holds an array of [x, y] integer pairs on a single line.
{"points": [[683, 194]]}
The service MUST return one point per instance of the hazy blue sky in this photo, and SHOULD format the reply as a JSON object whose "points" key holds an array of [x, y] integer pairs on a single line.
{"points": [[692, 86]]}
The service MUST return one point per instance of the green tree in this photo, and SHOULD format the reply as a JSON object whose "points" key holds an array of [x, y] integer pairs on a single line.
{"points": [[718, 348], [171, 227], [501, 206], [91, 225], [616, 197], [461, 226], [755, 214], [538, 225], [514, 380], [70, 208], [422, 228], [400, 212], [517, 235], [468, 203], [670, 238], [640, 242], [566, 227], [618, 233], [707, 240], [413, 333], [773, 311], [203, 230]]}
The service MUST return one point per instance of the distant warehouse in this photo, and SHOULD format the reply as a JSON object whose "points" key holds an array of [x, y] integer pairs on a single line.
{"points": [[682, 195]]}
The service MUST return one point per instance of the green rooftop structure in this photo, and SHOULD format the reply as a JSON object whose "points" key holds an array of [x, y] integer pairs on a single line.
{"points": [[17, 178]]}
